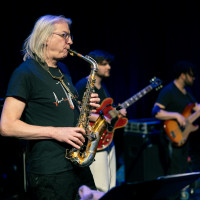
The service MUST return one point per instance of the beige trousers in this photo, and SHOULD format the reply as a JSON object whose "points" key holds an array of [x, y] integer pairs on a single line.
{"points": [[104, 169]]}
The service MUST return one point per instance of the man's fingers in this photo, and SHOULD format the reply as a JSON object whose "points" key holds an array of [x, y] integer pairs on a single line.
{"points": [[95, 105], [73, 144]]}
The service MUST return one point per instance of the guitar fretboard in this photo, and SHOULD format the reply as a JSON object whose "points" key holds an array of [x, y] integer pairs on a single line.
{"points": [[136, 97]]}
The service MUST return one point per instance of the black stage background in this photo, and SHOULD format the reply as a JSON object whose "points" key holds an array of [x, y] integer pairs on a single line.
{"points": [[146, 37]]}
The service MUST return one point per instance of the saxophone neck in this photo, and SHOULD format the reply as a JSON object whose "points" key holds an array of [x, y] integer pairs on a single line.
{"points": [[93, 62], [86, 58]]}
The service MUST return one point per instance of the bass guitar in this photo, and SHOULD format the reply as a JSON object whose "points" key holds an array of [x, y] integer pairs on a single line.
{"points": [[179, 135], [116, 121]]}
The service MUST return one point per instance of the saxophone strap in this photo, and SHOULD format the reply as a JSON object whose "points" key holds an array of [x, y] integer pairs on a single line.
{"points": [[60, 79]]}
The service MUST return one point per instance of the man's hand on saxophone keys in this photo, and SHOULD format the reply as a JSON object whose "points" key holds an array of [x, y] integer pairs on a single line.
{"points": [[94, 102], [71, 135], [76, 135]]}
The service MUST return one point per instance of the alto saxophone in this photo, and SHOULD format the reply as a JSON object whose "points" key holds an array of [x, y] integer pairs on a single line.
{"points": [[85, 155]]}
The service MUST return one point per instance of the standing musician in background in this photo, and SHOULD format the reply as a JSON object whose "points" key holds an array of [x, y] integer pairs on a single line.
{"points": [[104, 166], [41, 107], [170, 105]]}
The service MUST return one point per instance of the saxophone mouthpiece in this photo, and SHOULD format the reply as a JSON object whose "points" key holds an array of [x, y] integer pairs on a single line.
{"points": [[73, 53]]}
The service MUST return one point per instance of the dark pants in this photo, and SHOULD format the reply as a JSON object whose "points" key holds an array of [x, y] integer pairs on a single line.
{"points": [[61, 186], [176, 162]]}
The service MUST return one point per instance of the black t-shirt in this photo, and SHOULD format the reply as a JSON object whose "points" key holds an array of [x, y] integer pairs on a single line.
{"points": [[173, 99], [47, 104]]}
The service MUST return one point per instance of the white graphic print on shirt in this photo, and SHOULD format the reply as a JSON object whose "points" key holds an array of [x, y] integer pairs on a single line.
{"points": [[68, 97]]}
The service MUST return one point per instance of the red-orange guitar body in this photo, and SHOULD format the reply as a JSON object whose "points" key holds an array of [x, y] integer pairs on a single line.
{"points": [[116, 122]]}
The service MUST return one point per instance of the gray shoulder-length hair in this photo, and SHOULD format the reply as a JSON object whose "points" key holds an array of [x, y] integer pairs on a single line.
{"points": [[35, 43]]}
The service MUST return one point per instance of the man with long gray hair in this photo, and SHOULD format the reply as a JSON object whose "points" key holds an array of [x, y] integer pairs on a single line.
{"points": [[41, 108]]}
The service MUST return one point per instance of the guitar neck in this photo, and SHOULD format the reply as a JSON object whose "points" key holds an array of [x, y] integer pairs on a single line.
{"points": [[194, 116], [136, 97]]}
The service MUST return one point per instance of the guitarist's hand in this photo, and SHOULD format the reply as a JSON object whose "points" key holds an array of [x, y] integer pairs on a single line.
{"points": [[181, 120], [108, 119], [122, 112]]}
